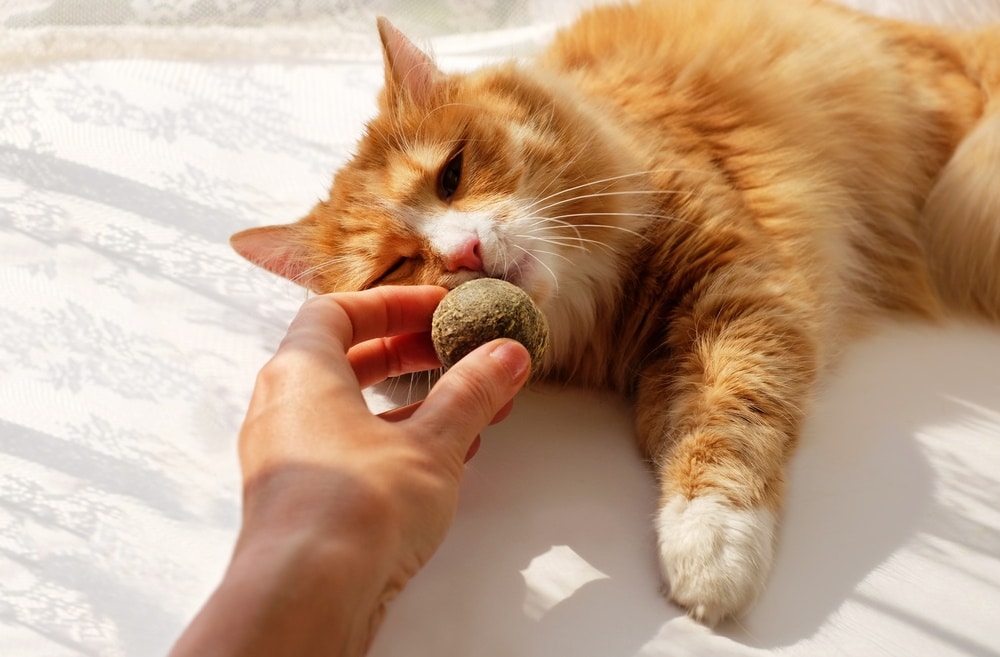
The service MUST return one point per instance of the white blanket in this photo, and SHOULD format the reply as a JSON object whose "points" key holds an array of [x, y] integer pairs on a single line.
{"points": [[135, 136]]}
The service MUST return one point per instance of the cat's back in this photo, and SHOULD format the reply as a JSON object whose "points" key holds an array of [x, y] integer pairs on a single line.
{"points": [[820, 126], [790, 82], [765, 52], [654, 38]]}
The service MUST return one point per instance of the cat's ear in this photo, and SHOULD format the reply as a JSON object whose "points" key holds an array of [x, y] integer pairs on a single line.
{"points": [[277, 249], [409, 71]]}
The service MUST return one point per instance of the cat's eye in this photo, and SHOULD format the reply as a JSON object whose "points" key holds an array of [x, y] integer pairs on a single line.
{"points": [[388, 273], [450, 177]]}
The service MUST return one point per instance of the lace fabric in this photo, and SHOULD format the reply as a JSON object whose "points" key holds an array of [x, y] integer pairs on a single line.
{"points": [[135, 136], [428, 17], [47, 30], [439, 16]]}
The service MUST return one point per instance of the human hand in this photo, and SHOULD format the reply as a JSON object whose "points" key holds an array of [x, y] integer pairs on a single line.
{"points": [[342, 507]]}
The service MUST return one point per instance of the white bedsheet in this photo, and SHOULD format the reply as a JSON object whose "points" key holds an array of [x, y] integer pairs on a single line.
{"points": [[130, 335]]}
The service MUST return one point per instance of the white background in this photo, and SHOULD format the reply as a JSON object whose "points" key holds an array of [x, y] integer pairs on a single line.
{"points": [[135, 136]]}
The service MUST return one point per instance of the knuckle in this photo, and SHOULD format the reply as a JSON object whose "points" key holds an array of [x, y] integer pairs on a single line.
{"points": [[286, 365]]}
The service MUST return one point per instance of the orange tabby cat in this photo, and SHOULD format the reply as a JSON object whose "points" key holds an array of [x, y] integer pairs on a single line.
{"points": [[707, 199]]}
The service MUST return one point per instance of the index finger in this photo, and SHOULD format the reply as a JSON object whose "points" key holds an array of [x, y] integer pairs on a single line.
{"points": [[355, 317]]}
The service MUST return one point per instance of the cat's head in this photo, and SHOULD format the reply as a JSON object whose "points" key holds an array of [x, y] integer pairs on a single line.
{"points": [[498, 173]]}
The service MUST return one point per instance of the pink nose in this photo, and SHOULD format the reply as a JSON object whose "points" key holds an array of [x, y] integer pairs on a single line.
{"points": [[465, 256]]}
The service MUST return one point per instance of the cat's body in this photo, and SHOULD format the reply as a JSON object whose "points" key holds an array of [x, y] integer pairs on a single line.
{"points": [[707, 200]]}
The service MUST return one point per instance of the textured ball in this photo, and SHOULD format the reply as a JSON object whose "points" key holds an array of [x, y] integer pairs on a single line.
{"points": [[484, 309]]}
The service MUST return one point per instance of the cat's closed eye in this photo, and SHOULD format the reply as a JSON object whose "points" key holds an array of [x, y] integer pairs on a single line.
{"points": [[450, 177], [400, 268]]}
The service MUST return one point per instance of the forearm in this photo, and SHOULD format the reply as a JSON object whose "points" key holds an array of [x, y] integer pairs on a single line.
{"points": [[342, 507], [292, 593]]}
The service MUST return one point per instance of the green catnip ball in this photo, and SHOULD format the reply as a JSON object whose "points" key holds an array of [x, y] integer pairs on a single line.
{"points": [[484, 309]]}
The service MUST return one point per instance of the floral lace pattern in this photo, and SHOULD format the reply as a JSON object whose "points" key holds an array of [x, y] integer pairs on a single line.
{"points": [[131, 331], [135, 137], [446, 16]]}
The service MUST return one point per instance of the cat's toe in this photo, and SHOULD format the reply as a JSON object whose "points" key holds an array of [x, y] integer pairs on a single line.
{"points": [[714, 556]]}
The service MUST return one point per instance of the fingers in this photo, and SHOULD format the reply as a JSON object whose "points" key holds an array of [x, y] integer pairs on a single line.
{"points": [[503, 412], [381, 311], [473, 448], [376, 360], [472, 393], [400, 413], [327, 326], [385, 330]]}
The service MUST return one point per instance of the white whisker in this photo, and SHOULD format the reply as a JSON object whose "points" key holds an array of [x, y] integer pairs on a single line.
{"points": [[637, 192], [576, 227], [544, 223], [551, 253], [416, 133], [570, 242], [601, 181], [651, 215], [558, 177], [326, 264], [542, 263]]}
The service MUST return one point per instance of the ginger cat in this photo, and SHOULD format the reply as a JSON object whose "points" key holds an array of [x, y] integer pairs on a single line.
{"points": [[707, 200]]}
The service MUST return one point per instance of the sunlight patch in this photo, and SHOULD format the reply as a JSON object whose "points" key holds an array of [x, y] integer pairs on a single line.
{"points": [[553, 577]]}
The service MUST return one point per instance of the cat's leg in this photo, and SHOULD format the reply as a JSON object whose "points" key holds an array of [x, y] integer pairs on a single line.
{"points": [[719, 417]]}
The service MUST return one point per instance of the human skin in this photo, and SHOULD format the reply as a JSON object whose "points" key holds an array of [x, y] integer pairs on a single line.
{"points": [[342, 507]]}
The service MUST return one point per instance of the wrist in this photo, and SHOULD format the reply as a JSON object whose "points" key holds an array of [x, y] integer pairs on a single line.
{"points": [[328, 591], [319, 508], [300, 582], [325, 523], [291, 595]]}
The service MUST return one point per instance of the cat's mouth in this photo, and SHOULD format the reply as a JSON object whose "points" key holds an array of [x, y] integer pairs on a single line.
{"points": [[516, 271], [512, 277], [515, 275]]}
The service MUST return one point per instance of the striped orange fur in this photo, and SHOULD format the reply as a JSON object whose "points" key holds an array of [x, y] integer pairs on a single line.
{"points": [[707, 200]]}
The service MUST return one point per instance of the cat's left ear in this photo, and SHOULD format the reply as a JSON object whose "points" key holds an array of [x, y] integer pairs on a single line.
{"points": [[278, 249], [409, 71]]}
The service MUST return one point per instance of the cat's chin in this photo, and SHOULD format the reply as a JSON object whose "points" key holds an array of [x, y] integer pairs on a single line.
{"points": [[537, 292], [514, 278], [516, 275], [516, 272]]}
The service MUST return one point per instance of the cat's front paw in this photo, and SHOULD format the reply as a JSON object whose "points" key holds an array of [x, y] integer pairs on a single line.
{"points": [[715, 557]]}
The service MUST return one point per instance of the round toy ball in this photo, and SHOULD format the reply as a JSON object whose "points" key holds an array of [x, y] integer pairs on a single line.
{"points": [[484, 309]]}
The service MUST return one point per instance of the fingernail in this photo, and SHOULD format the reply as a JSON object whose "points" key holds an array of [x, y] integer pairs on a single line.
{"points": [[513, 357]]}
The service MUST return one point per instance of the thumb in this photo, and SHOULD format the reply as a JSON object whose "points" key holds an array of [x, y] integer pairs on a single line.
{"points": [[472, 392]]}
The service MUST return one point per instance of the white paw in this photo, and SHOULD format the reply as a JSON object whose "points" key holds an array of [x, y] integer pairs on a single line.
{"points": [[714, 557]]}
